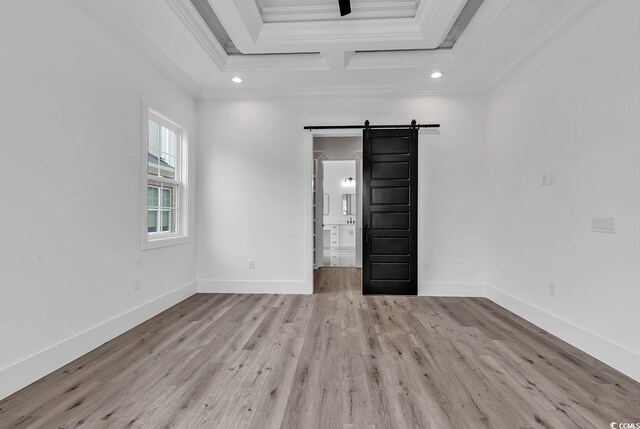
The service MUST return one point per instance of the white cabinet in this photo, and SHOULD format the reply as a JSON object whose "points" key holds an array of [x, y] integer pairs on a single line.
{"points": [[348, 236], [340, 236], [339, 245]]}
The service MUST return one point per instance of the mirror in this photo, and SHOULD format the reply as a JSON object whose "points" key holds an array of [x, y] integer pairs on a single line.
{"points": [[325, 204], [348, 204]]}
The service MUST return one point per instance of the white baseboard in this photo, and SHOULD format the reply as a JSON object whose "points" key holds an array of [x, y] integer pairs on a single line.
{"points": [[614, 355], [22, 373], [452, 289], [256, 286]]}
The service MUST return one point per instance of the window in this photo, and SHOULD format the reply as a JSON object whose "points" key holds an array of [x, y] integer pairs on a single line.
{"points": [[161, 210], [164, 222]]}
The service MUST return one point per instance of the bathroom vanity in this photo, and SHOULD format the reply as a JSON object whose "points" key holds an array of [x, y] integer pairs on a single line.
{"points": [[340, 244], [340, 236]]}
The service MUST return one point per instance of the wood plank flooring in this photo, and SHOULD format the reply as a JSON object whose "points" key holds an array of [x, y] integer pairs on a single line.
{"points": [[332, 360]]}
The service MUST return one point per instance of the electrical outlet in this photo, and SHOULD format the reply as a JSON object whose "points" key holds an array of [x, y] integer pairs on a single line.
{"points": [[137, 285], [252, 264], [545, 179], [552, 289], [426, 266]]}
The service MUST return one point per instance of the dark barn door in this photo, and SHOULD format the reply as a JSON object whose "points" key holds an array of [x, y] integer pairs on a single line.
{"points": [[390, 212]]}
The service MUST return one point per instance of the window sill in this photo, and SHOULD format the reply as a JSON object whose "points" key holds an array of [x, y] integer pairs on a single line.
{"points": [[156, 243]]}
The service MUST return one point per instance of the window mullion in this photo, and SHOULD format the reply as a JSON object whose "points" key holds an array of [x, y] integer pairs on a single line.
{"points": [[159, 214]]}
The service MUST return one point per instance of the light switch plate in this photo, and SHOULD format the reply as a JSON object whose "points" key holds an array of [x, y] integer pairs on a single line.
{"points": [[549, 178], [606, 225]]}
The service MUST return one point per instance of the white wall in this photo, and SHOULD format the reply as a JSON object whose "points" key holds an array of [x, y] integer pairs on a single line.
{"points": [[252, 189], [574, 109], [70, 167], [333, 185]]}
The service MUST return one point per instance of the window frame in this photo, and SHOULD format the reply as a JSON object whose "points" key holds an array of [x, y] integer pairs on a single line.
{"points": [[159, 239]]}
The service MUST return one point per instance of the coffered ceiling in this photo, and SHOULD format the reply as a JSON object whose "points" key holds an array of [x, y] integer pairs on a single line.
{"points": [[326, 10], [426, 28], [304, 47]]}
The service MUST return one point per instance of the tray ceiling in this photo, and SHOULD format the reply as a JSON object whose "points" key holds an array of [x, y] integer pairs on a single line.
{"points": [[426, 28], [381, 55], [327, 11], [324, 10]]}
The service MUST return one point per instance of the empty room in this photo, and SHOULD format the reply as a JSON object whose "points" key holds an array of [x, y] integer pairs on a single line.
{"points": [[320, 214]]}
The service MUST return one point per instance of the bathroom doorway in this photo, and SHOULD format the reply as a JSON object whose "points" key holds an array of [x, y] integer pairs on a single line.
{"points": [[338, 202]]}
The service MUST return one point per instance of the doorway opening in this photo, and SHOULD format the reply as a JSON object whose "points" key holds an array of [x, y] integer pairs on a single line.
{"points": [[386, 205], [337, 213]]}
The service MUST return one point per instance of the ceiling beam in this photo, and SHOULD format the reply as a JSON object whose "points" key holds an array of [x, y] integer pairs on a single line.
{"points": [[337, 59]]}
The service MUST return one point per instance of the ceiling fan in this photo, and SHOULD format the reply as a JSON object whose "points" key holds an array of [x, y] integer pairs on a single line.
{"points": [[345, 7]]}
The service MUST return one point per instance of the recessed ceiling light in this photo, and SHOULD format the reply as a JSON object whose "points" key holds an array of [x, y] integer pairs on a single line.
{"points": [[236, 79], [436, 75]]}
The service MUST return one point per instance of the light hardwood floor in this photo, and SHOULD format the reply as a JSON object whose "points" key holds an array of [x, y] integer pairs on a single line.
{"points": [[332, 360]]}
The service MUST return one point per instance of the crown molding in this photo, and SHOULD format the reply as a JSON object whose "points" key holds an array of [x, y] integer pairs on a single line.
{"points": [[251, 17], [340, 92], [424, 13], [485, 18], [543, 39], [434, 23], [113, 21], [195, 24]]}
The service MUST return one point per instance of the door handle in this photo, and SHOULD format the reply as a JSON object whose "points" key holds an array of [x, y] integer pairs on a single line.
{"points": [[366, 234]]}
